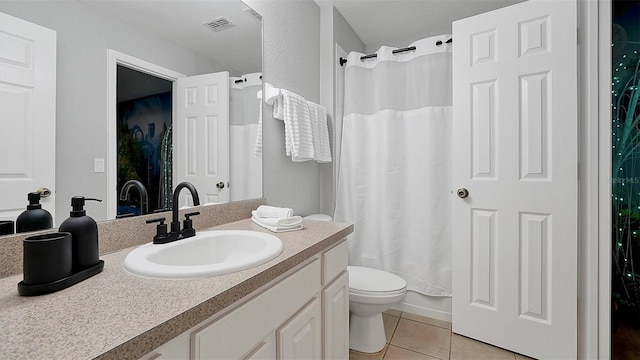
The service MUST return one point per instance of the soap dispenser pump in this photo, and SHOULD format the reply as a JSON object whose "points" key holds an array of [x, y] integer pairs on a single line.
{"points": [[35, 217], [84, 234]]}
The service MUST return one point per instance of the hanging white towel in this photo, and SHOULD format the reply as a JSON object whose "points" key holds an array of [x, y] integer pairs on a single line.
{"points": [[257, 149], [259, 221], [266, 211], [294, 111], [320, 132]]}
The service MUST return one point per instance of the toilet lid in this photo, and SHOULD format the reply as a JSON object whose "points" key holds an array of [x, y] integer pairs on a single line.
{"points": [[374, 280]]}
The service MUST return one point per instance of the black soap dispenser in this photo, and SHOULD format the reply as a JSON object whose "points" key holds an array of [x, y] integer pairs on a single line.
{"points": [[84, 234], [35, 217]]}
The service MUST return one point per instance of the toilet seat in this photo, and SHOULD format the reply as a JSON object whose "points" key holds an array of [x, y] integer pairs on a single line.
{"points": [[373, 282]]}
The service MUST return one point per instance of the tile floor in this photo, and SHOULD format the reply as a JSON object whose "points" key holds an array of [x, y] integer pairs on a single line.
{"points": [[416, 337]]}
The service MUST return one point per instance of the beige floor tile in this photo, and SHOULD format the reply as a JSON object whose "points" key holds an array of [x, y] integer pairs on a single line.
{"points": [[356, 355], [427, 320], [390, 323], [396, 353], [393, 312], [423, 338], [465, 348]]}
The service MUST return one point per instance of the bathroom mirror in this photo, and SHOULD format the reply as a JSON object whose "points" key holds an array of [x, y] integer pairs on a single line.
{"points": [[187, 38]]}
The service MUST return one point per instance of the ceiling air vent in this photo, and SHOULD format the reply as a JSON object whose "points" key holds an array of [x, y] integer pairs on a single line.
{"points": [[253, 13], [219, 24]]}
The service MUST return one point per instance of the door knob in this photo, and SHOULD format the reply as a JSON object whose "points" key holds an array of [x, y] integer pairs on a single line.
{"points": [[462, 193], [44, 192], [220, 185]]}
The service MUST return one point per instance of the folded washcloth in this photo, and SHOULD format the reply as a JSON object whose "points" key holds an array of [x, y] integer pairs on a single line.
{"points": [[290, 221], [266, 211], [259, 221], [294, 111], [320, 133]]}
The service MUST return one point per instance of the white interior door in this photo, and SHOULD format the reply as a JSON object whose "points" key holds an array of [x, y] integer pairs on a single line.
{"points": [[515, 150], [201, 154], [27, 114]]}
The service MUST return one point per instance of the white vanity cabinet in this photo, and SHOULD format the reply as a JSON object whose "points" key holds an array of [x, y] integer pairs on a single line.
{"points": [[303, 314]]}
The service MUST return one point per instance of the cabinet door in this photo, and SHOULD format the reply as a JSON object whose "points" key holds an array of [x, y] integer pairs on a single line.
{"points": [[266, 349], [301, 337], [335, 300]]}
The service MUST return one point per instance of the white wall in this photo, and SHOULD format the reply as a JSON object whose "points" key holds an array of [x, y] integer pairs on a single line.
{"points": [[291, 60], [344, 34], [83, 37]]}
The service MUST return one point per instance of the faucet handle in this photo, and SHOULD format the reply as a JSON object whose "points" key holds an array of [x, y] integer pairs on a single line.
{"points": [[187, 225], [161, 236], [187, 216]]}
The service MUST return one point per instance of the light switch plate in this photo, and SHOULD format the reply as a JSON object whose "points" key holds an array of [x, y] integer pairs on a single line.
{"points": [[98, 165]]}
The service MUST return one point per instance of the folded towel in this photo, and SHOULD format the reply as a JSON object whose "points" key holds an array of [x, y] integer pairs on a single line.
{"points": [[258, 221], [294, 111], [289, 221], [257, 149], [266, 211], [320, 132]]}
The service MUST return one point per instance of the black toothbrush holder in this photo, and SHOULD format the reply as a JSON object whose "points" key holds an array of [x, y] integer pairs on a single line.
{"points": [[48, 264], [47, 258]]}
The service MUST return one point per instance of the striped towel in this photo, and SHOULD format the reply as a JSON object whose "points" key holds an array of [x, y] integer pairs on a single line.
{"points": [[294, 111], [257, 149], [320, 132]]}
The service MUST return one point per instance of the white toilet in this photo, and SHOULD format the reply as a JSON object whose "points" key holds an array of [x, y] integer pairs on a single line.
{"points": [[371, 292]]}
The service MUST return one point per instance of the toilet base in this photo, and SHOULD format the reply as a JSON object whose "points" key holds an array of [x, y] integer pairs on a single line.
{"points": [[366, 333]]}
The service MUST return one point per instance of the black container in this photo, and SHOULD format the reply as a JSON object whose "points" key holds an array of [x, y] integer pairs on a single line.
{"points": [[47, 258], [84, 232], [6, 227], [35, 217]]}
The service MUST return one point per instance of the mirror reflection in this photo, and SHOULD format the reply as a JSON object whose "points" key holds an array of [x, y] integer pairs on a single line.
{"points": [[117, 69]]}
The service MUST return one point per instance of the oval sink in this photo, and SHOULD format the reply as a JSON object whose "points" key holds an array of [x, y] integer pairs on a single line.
{"points": [[206, 254]]}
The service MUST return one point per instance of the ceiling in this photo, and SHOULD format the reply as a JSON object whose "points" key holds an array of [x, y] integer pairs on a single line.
{"points": [[386, 21], [238, 48]]}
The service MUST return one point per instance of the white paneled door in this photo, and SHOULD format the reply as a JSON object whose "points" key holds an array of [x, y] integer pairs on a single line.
{"points": [[27, 114], [201, 154], [515, 152]]}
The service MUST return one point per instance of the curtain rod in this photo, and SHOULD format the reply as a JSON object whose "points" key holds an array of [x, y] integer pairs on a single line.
{"points": [[343, 61]]}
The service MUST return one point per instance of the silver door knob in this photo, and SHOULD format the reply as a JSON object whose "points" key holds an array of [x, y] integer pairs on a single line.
{"points": [[44, 192], [220, 185], [462, 193]]}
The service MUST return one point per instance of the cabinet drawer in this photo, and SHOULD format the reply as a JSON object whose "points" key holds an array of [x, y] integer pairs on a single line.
{"points": [[334, 262], [225, 339]]}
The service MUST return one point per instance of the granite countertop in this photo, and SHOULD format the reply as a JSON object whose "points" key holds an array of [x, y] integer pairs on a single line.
{"points": [[116, 315]]}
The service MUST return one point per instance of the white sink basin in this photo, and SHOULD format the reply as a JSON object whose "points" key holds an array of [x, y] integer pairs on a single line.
{"points": [[206, 254]]}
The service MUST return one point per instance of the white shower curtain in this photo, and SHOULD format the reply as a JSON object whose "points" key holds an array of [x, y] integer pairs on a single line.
{"points": [[245, 169], [395, 163]]}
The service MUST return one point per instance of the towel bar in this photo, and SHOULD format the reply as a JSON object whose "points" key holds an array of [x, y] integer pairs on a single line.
{"points": [[271, 93]]}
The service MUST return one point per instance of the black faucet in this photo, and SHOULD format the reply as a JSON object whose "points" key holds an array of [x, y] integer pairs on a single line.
{"points": [[162, 237], [124, 194], [175, 224]]}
